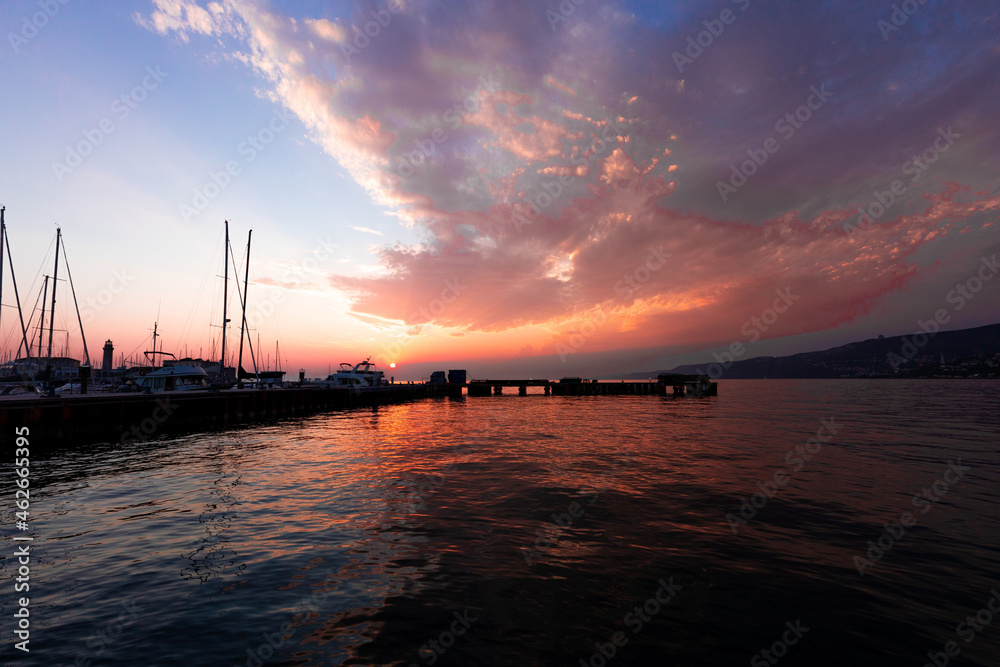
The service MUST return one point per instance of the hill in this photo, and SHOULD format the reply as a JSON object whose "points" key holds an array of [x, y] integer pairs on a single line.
{"points": [[965, 353]]}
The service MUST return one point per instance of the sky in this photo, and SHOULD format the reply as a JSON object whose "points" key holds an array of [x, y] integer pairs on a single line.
{"points": [[521, 189]]}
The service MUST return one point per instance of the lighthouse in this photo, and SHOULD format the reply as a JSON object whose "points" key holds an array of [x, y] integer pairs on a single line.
{"points": [[109, 351]]}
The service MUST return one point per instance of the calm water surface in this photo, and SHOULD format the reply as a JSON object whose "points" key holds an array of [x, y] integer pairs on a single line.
{"points": [[527, 530]]}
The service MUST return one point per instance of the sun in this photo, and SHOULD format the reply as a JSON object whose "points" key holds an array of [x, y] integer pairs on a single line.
{"points": [[392, 365]]}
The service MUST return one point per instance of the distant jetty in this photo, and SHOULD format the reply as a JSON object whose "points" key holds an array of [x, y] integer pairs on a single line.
{"points": [[667, 384]]}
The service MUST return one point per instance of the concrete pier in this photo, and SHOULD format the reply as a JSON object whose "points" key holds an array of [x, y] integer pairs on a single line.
{"points": [[608, 389], [666, 385], [130, 417]]}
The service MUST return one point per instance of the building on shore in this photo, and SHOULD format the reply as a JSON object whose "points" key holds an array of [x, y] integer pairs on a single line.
{"points": [[64, 369], [107, 366]]}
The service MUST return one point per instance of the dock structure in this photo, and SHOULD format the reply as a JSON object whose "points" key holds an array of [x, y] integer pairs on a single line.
{"points": [[132, 417], [608, 389], [485, 387], [689, 385], [667, 384]]}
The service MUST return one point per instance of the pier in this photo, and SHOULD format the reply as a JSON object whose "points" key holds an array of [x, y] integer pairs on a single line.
{"points": [[134, 416], [668, 384]]}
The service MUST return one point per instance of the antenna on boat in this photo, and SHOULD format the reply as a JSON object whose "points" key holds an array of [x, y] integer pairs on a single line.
{"points": [[152, 355]]}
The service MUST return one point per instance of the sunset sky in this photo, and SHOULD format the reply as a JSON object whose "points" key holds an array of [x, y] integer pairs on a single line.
{"points": [[517, 188]]}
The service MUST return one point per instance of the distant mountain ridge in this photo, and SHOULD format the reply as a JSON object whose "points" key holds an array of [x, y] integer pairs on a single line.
{"points": [[967, 353]]}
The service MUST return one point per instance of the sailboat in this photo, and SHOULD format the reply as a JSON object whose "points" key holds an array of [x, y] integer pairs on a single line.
{"points": [[44, 368], [180, 376], [17, 374], [264, 379], [258, 379]]}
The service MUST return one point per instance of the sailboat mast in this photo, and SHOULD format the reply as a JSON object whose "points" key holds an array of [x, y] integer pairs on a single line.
{"points": [[13, 280], [41, 324], [225, 298], [3, 235], [76, 304], [243, 322], [52, 317]]}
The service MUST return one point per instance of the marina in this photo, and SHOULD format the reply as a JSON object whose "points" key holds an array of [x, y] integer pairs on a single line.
{"points": [[156, 370], [58, 396]]}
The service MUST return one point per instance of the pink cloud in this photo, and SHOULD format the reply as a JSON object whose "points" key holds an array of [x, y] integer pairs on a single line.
{"points": [[604, 203]]}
